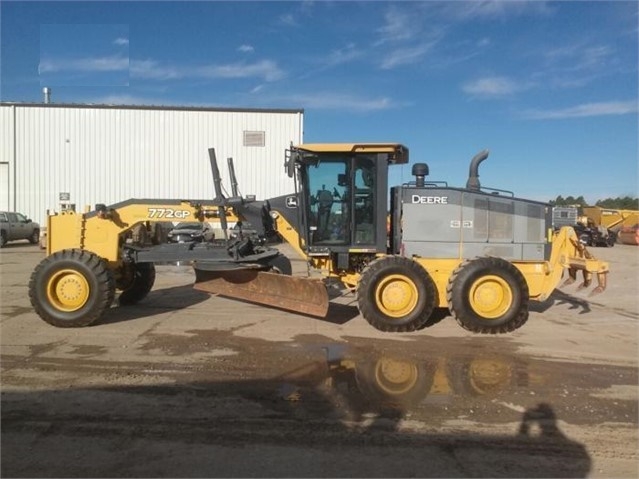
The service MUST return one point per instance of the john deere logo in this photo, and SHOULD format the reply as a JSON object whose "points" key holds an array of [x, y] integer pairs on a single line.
{"points": [[430, 200], [291, 202]]}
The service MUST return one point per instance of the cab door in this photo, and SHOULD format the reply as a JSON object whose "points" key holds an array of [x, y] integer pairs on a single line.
{"points": [[13, 232], [328, 204], [22, 227]]}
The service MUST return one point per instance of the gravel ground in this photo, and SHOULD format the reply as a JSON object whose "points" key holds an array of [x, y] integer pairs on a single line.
{"points": [[189, 385]]}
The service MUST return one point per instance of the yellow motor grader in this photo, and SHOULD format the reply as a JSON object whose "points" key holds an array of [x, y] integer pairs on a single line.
{"points": [[481, 254]]}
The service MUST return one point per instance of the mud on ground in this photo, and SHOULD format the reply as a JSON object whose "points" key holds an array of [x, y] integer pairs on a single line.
{"points": [[189, 385]]}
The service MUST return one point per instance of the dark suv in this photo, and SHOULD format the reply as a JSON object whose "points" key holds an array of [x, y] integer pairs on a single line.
{"points": [[15, 226]]}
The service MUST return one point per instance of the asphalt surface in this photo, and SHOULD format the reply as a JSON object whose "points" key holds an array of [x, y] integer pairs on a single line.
{"points": [[186, 384]]}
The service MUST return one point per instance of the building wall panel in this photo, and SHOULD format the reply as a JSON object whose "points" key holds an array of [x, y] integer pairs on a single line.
{"points": [[106, 155], [6, 157]]}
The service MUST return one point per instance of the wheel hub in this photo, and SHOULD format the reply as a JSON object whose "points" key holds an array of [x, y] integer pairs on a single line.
{"points": [[68, 290], [396, 295], [486, 375], [491, 296], [395, 377]]}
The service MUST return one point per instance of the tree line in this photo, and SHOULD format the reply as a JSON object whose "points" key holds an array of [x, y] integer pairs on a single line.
{"points": [[620, 203]]}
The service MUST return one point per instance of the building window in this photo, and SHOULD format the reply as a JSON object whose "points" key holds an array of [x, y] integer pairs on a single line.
{"points": [[254, 138]]}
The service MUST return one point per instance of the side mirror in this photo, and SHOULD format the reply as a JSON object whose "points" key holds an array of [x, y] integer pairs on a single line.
{"points": [[290, 164]]}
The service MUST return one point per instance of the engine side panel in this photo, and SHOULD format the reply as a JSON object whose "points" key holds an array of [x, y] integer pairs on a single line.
{"points": [[444, 222]]}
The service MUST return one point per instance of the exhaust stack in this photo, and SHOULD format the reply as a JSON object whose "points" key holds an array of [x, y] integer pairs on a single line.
{"points": [[473, 174]]}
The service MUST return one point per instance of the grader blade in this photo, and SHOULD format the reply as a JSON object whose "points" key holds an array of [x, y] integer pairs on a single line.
{"points": [[307, 296]]}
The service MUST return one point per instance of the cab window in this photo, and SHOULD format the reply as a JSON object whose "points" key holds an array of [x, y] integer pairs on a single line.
{"points": [[364, 200], [328, 219]]}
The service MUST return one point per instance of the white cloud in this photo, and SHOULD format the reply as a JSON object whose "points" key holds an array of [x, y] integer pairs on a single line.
{"points": [[128, 100], [488, 87], [289, 20], [338, 101], [491, 9], [585, 110], [405, 56], [151, 69], [397, 27], [560, 53], [88, 64], [335, 58], [302, 9], [594, 57], [342, 55], [576, 57], [121, 41], [246, 49], [577, 64], [266, 69], [406, 35]]}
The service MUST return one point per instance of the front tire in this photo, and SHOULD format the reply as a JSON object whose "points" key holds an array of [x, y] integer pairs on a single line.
{"points": [[35, 237], [281, 264], [71, 288], [3, 239], [137, 281], [488, 295], [396, 294]]}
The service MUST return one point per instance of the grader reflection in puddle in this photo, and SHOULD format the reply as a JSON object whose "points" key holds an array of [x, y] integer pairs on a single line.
{"points": [[387, 410], [361, 384]]}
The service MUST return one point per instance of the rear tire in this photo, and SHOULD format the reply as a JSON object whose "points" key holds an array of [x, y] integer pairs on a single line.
{"points": [[488, 295], [71, 288], [139, 281], [438, 314], [396, 294], [3, 239]]}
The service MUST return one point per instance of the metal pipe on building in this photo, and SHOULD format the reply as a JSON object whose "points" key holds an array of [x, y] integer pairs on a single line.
{"points": [[47, 94]]}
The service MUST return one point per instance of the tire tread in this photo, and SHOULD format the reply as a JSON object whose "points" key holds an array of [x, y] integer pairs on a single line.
{"points": [[416, 272], [95, 266], [143, 281], [465, 317]]}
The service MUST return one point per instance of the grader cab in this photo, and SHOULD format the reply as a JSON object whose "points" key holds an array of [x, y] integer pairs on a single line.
{"points": [[480, 254]]}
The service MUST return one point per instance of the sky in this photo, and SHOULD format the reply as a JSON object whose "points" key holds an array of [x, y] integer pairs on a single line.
{"points": [[549, 88]]}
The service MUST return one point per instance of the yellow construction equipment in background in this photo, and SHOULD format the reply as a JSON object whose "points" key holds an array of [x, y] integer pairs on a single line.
{"points": [[611, 218]]}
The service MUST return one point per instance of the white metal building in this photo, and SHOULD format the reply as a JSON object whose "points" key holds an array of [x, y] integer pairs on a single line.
{"points": [[87, 154]]}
